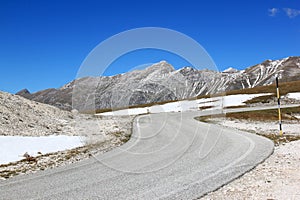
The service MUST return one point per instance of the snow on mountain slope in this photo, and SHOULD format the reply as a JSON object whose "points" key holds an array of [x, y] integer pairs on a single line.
{"points": [[230, 70], [161, 82]]}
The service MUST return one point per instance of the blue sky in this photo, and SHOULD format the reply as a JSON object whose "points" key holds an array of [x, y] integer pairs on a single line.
{"points": [[43, 43]]}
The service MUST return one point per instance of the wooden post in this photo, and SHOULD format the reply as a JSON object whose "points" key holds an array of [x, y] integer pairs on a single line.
{"points": [[279, 110]]}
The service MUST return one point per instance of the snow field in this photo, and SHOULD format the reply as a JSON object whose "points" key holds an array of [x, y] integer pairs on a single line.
{"points": [[192, 105]]}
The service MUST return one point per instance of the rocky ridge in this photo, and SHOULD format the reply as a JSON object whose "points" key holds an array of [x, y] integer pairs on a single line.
{"points": [[161, 82], [20, 116]]}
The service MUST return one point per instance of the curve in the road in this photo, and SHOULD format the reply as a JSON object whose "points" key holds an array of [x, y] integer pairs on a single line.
{"points": [[170, 156]]}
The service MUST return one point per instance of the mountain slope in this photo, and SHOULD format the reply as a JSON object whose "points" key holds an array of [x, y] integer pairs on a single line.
{"points": [[161, 82], [20, 116]]}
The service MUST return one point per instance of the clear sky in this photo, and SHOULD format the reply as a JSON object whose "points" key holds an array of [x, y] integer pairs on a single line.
{"points": [[43, 43]]}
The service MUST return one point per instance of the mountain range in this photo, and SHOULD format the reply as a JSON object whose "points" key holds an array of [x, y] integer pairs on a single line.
{"points": [[161, 82]]}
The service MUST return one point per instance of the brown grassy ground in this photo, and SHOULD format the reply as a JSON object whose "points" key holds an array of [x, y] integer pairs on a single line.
{"points": [[262, 115], [277, 139], [265, 115]]}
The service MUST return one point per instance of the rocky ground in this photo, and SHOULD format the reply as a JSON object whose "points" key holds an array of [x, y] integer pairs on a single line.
{"points": [[19, 116], [276, 178], [290, 127]]}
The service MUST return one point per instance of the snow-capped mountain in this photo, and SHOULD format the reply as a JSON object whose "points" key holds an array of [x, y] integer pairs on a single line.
{"points": [[161, 82], [230, 70]]}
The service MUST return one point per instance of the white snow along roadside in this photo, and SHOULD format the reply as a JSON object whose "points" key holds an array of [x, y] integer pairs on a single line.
{"points": [[14, 147]]}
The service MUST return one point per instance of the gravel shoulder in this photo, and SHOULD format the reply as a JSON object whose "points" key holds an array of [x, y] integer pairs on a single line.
{"points": [[276, 178]]}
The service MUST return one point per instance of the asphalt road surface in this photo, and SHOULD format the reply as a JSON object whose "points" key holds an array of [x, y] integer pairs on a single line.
{"points": [[170, 156]]}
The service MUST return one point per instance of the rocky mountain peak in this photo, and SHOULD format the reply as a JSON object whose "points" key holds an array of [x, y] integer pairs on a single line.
{"points": [[160, 82], [186, 70], [23, 92], [163, 66]]}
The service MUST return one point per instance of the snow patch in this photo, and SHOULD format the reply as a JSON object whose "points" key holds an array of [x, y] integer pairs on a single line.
{"points": [[294, 95], [230, 70], [14, 147]]}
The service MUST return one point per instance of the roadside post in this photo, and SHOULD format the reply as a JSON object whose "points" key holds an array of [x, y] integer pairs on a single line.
{"points": [[279, 110]]}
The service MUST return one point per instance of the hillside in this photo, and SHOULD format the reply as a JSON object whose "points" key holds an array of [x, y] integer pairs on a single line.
{"points": [[20, 116]]}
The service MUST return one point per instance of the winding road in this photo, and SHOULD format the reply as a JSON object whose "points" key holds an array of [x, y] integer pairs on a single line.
{"points": [[169, 156]]}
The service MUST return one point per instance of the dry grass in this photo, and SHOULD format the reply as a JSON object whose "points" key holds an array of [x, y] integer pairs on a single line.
{"points": [[261, 115], [262, 99], [205, 107], [209, 118], [232, 107], [277, 139], [265, 115]]}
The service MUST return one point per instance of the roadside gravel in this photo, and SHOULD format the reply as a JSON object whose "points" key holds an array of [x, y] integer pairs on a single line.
{"points": [[276, 178]]}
